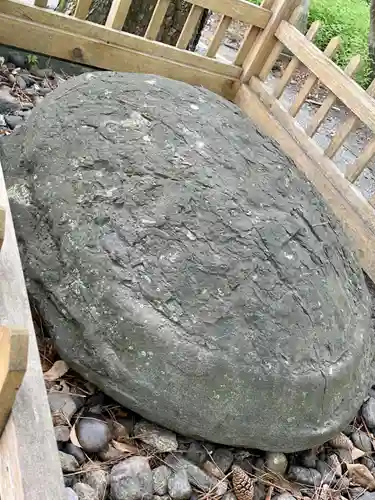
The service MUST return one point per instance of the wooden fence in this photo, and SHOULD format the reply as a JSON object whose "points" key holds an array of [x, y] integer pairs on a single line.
{"points": [[246, 81]]}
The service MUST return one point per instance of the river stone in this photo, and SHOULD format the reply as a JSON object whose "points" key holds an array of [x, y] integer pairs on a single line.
{"points": [[185, 266]]}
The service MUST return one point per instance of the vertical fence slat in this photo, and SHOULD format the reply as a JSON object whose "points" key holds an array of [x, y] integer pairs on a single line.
{"points": [[117, 14], [250, 37], [355, 170], [278, 47], [189, 26], [41, 3], [311, 80], [157, 19], [265, 42], [294, 63], [218, 36], [82, 9], [345, 129], [330, 100]]}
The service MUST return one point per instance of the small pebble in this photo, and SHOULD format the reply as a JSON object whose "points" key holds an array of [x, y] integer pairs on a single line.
{"points": [[160, 477], [97, 478], [131, 479], [76, 452], [368, 462], [309, 459], [276, 462], [111, 453], [303, 475], [70, 494], [62, 407], [155, 436], [196, 453], [119, 432], [223, 458], [85, 492], [368, 412], [328, 475], [68, 462], [21, 82], [334, 464], [362, 441], [213, 470], [178, 485], [197, 476], [17, 59], [93, 433], [62, 433]]}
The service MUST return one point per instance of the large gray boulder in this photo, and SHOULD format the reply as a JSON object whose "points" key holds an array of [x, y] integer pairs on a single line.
{"points": [[184, 265]]}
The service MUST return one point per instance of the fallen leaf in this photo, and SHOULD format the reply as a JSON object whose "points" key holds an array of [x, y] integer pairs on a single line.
{"points": [[357, 453], [58, 369], [125, 447], [73, 436], [360, 475]]}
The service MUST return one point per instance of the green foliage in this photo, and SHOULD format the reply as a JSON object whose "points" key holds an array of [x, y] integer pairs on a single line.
{"points": [[349, 19], [32, 60]]}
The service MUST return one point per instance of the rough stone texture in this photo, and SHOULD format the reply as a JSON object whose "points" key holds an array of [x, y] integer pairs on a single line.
{"points": [[68, 462], [131, 479], [85, 492], [160, 477], [97, 478], [186, 267], [178, 485], [197, 476], [157, 437]]}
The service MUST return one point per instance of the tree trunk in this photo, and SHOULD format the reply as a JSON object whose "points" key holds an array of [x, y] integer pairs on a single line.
{"points": [[140, 14], [371, 38]]}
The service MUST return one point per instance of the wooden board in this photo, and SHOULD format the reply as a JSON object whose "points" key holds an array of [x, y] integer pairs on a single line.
{"points": [[117, 14], [14, 346], [241, 10], [350, 207], [29, 464], [92, 52], [70, 27], [339, 83]]}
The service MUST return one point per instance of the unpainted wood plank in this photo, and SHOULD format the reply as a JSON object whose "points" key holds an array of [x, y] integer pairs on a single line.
{"points": [[241, 10], [73, 27], [294, 63], [330, 100], [157, 19], [92, 52], [346, 128], [312, 79], [265, 42], [2, 225], [278, 47], [346, 89], [29, 463], [14, 345], [82, 9], [219, 34], [11, 485], [350, 207], [190, 25], [41, 3], [354, 171], [250, 37], [117, 14]]}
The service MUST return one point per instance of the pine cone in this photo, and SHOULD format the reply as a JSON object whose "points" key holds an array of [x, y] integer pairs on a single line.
{"points": [[243, 486]]}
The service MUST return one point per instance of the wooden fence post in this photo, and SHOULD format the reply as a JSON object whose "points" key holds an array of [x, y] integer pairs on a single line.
{"points": [[265, 41]]}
